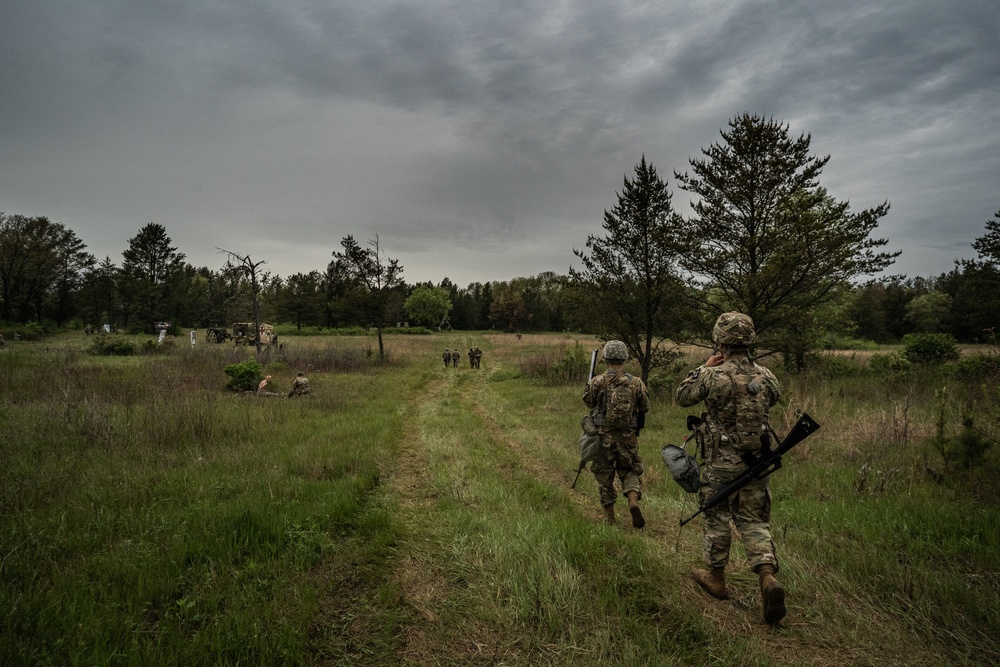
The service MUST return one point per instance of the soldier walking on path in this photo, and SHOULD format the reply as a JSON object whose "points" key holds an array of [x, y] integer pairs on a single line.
{"points": [[472, 358], [618, 402], [738, 393], [456, 356], [446, 357], [478, 354]]}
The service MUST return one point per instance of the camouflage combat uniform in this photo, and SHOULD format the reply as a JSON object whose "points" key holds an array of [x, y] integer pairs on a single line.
{"points": [[478, 354], [472, 358], [446, 357], [619, 447], [750, 508], [456, 356], [300, 386]]}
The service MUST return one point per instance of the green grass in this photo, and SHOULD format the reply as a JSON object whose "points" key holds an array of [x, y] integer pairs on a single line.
{"points": [[405, 513]]}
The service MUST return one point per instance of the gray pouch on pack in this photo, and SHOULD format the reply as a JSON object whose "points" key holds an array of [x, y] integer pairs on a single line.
{"points": [[683, 468]]}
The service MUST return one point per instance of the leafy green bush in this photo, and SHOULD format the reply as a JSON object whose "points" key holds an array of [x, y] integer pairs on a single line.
{"points": [[112, 346], [978, 367], [833, 342], [970, 444], [244, 376], [889, 363], [931, 349], [834, 365], [29, 331]]}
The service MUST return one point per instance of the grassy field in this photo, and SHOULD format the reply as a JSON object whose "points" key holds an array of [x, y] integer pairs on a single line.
{"points": [[409, 514]]}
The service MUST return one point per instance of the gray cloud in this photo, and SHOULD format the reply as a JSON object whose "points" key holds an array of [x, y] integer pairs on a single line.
{"points": [[480, 140]]}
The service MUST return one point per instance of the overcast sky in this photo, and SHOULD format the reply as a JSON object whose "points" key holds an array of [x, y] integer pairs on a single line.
{"points": [[480, 140]]}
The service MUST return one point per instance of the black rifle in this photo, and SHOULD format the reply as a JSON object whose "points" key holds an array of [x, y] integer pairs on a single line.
{"points": [[590, 376], [761, 464]]}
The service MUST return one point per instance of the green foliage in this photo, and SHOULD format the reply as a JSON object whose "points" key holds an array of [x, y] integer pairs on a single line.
{"points": [[113, 346], [630, 278], [978, 367], [928, 312], [834, 342], [970, 443], [930, 349], [888, 363], [835, 365], [244, 376], [568, 366], [32, 331], [428, 305], [968, 447], [773, 242]]}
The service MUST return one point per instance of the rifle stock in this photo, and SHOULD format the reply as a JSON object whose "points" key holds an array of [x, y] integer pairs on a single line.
{"points": [[762, 464]]}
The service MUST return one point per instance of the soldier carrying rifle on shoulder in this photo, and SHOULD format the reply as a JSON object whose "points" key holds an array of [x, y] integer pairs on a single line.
{"points": [[738, 393], [618, 402]]}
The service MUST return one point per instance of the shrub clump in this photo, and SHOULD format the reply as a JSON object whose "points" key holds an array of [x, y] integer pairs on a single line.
{"points": [[930, 349], [244, 376], [978, 367], [113, 346], [889, 363]]}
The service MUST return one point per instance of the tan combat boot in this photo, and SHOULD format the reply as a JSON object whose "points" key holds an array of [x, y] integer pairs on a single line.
{"points": [[772, 594], [714, 581], [633, 508], [609, 514]]}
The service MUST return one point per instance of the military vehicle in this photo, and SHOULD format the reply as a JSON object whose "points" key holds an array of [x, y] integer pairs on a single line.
{"points": [[243, 334]]}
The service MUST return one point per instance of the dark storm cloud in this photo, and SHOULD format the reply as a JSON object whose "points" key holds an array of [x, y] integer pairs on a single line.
{"points": [[481, 140]]}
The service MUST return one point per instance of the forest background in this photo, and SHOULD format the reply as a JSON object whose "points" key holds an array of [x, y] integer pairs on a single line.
{"points": [[764, 238]]}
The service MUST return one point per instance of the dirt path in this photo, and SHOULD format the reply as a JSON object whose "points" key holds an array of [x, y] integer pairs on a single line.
{"points": [[423, 577]]}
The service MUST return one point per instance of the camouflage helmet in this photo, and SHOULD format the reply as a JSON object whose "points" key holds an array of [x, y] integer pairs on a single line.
{"points": [[734, 329], [615, 350]]}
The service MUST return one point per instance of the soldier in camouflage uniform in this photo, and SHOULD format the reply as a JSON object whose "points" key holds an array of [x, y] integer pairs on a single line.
{"points": [[300, 386], [619, 444], [456, 356], [472, 358], [737, 393], [446, 357], [479, 355]]}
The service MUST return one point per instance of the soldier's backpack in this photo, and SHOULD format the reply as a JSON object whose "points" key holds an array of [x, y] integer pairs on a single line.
{"points": [[751, 407], [619, 402]]}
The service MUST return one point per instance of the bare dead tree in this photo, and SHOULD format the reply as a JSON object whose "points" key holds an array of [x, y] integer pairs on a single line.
{"points": [[244, 266]]}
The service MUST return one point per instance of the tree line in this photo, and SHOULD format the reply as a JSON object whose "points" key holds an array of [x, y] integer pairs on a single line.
{"points": [[764, 237]]}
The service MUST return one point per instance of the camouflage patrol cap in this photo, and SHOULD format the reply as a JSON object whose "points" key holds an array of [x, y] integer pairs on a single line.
{"points": [[615, 350], [734, 329]]}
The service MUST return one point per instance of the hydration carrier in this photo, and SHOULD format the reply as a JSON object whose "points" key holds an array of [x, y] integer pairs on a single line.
{"points": [[751, 407], [619, 402]]}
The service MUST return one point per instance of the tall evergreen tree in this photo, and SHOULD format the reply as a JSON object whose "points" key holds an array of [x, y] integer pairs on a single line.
{"points": [[770, 242], [988, 245], [630, 276], [147, 265], [299, 299]]}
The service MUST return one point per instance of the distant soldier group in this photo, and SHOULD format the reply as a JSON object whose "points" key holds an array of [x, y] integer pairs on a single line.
{"points": [[452, 357]]}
